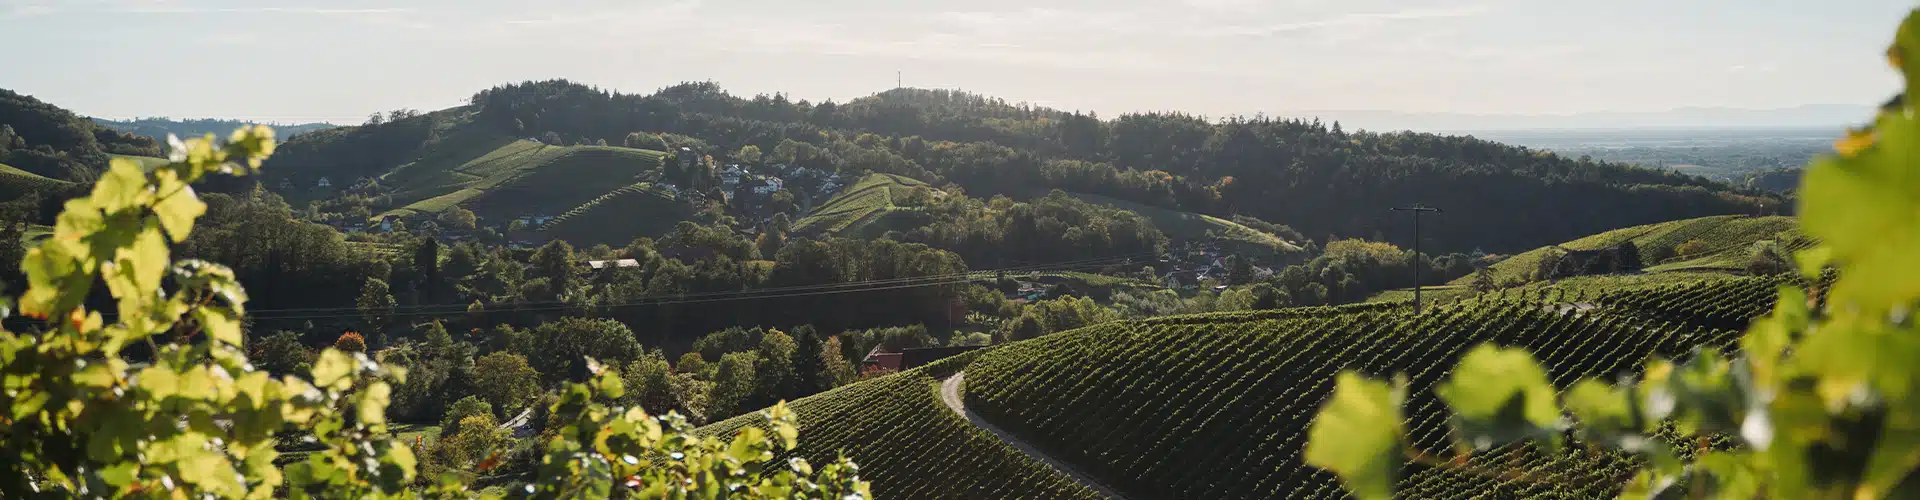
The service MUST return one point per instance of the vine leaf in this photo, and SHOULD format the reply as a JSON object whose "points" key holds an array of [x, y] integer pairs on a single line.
{"points": [[1358, 435], [1501, 395]]}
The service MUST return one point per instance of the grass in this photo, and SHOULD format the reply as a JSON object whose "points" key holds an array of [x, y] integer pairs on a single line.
{"points": [[500, 177], [406, 433], [864, 209], [618, 217], [1180, 225]]}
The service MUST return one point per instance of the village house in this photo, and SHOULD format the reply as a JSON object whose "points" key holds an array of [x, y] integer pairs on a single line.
{"points": [[769, 184]]}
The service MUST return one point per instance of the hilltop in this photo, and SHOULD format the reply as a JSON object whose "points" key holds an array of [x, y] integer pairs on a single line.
{"points": [[159, 128], [1317, 178], [49, 141]]}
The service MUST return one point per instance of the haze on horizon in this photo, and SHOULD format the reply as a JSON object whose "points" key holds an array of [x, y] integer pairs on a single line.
{"points": [[338, 60]]}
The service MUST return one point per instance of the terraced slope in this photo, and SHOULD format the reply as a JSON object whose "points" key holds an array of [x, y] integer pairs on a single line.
{"points": [[1219, 409], [618, 217], [1180, 225], [864, 209], [911, 445], [499, 177]]}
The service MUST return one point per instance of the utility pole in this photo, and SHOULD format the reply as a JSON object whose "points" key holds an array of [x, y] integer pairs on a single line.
{"points": [[897, 82], [1417, 268]]}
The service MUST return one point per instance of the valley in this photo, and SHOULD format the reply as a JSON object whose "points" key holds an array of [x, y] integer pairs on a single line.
{"points": [[556, 289]]}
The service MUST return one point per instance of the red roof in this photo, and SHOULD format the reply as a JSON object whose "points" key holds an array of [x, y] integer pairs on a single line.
{"points": [[885, 360]]}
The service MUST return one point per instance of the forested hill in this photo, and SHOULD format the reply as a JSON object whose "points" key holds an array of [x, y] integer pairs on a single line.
{"points": [[49, 141], [1316, 177], [158, 128]]}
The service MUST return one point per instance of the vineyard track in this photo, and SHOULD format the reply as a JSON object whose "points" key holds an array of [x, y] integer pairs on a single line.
{"points": [[950, 394]]}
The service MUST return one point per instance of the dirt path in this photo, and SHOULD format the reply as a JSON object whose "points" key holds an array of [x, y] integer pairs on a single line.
{"points": [[950, 394]]}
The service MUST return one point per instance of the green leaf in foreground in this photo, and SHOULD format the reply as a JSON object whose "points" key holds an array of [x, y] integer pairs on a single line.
{"points": [[1500, 395], [1357, 435]]}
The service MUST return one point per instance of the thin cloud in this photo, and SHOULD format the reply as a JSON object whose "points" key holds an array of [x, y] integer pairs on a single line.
{"points": [[25, 9], [258, 10]]}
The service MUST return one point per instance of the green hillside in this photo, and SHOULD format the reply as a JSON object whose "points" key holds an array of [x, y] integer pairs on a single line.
{"points": [[501, 177], [1218, 408], [618, 217], [1658, 243], [865, 208], [1180, 225], [911, 445], [15, 182]]}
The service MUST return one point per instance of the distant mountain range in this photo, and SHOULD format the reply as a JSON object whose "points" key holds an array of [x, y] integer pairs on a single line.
{"points": [[1812, 115], [158, 128]]}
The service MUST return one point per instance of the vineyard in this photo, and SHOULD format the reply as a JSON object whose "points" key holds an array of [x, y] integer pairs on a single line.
{"points": [[864, 208], [1173, 409], [1520, 267], [15, 182], [1191, 226], [618, 217], [1727, 304], [502, 177], [1728, 245], [910, 445]]}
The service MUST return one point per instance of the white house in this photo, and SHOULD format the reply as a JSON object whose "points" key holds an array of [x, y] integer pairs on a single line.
{"points": [[603, 264], [324, 183], [731, 175], [769, 185]]}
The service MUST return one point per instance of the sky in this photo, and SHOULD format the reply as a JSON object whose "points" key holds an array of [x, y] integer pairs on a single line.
{"points": [[339, 60]]}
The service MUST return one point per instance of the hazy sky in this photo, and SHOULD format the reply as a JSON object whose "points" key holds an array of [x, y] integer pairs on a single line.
{"points": [[338, 60]]}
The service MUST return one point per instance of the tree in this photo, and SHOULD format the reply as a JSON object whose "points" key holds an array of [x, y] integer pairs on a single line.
{"points": [[643, 140], [459, 218], [811, 375], [768, 243], [1483, 280], [733, 385], [556, 262], [834, 362], [376, 307], [774, 376], [748, 154], [649, 383], [350, 342], [475, 438], [1025, 327], [1265, 296], [460, 410], [1239, 271], [561, 347], [282, 354], [505, 380], [1628, 256], [691, 363], [426, 261]]}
